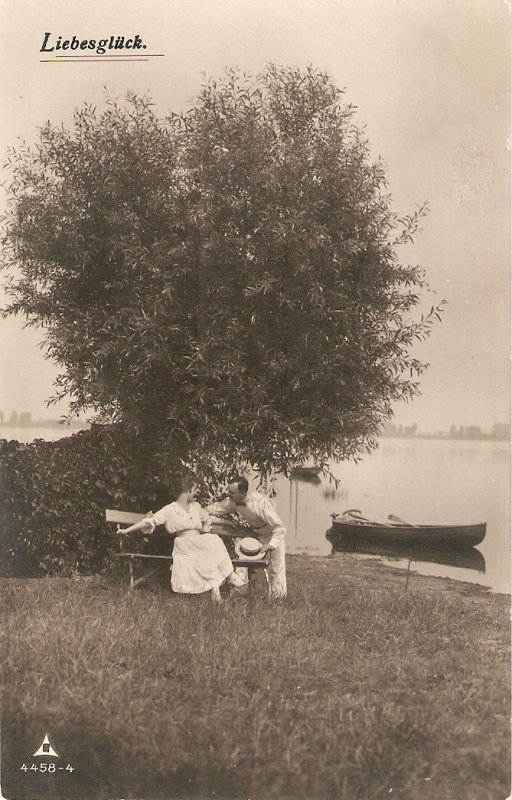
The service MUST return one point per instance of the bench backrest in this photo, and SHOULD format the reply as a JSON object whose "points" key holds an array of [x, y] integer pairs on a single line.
{"points": [[123, 517], [224, 530]]}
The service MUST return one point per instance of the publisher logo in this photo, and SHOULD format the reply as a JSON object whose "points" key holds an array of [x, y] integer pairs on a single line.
{"points": [[46, 749], [48, 766]]}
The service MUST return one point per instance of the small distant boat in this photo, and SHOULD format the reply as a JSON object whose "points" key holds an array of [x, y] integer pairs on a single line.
{"points": [[353, 526], [306, 473]]}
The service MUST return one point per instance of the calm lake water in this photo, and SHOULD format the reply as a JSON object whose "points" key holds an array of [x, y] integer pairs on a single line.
{"points": [[420, 480]]}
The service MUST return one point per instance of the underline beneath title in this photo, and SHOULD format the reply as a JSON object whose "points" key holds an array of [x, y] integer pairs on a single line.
{"points": [[92, 59]]}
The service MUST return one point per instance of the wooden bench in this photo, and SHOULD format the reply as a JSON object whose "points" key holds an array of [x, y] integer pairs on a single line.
{"points": [[225, 531]]}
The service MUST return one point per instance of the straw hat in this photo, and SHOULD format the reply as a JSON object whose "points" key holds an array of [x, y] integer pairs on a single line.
{"points": [[249, 549]]}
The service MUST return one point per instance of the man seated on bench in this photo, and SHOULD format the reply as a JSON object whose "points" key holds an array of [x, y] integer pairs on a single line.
{"points": [[266, 526], [201, 562]]}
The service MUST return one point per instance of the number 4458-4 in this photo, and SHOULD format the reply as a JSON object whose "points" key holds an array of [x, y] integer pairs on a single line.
{"points": [[45, 768]]}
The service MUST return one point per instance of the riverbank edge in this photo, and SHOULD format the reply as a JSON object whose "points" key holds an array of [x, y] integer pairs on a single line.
{"points": [[374, 576], [362, 571]]}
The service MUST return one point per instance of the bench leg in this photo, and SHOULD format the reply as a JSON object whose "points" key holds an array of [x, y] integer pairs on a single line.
{"points": [[267, 581], [145, 577], [252, 580], [137, 581]]}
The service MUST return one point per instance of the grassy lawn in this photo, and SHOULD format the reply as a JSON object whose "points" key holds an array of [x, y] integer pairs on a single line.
{"points": [[351, 689]]}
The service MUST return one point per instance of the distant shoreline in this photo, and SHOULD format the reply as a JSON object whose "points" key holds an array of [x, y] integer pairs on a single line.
{"points": [[447, 437], [465, 437], [45, 423]]}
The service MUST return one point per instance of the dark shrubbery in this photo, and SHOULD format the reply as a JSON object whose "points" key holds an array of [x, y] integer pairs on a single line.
{"points": [[53, 496]]}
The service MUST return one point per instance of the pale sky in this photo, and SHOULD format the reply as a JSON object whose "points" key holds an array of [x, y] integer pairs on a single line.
{"points": [[431, 81]]}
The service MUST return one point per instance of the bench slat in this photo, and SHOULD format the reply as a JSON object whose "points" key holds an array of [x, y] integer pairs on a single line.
{"points": [[228, 530], [122, 517], [143, 555], [237, 562]]}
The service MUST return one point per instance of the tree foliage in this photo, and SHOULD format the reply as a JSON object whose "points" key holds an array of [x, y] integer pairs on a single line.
{"points": [[227, 276]]}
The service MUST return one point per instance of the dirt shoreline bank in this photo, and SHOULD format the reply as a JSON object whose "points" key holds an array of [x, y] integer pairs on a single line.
{"points": [[360, 570], [375, 576]]}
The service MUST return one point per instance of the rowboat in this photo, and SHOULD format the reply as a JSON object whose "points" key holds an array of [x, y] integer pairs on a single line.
{"points": [[353, 526], [304, 473], [465, 557]]}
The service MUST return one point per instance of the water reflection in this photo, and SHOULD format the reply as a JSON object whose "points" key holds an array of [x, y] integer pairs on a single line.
{"points": [[465, 557], [331, 493]]}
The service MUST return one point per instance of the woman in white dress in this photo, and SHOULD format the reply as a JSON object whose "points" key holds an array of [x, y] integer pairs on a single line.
{"points": [[201, 562]]}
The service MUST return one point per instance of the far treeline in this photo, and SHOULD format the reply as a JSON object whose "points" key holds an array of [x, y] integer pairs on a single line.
{"points": [[500, 431], [25, 420], [223, 283]]}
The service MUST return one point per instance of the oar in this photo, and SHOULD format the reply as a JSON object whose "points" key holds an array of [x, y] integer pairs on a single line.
{"points": [[401, 521], [355, 515]]}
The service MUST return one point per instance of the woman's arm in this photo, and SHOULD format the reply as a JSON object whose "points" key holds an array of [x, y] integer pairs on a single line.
{"points": [[221, 509], [206, 522], [144, 526]]}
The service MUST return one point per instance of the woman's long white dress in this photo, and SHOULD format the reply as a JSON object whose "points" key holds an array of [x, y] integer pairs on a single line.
{"points": [[200, 560]]}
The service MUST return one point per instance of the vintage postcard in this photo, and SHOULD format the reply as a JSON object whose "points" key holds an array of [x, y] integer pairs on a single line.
{"points": [[265, 232]]}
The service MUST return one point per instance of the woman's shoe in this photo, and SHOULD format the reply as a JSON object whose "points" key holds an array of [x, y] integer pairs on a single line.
{"points": [[236, 580]]}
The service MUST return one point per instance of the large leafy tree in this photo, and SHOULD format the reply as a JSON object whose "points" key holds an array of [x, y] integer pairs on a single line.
{"points": [[226, 278]]}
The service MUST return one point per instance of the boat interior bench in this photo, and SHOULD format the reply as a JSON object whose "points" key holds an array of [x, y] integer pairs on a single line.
{"points": [[161, 544]]}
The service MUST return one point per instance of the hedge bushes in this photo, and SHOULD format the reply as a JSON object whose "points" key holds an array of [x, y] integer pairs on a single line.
{"points": [[53, 496]]}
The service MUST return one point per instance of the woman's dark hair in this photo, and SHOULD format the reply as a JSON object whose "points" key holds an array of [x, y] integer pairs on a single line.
{"points": [[241, 482], [186, 482]]}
